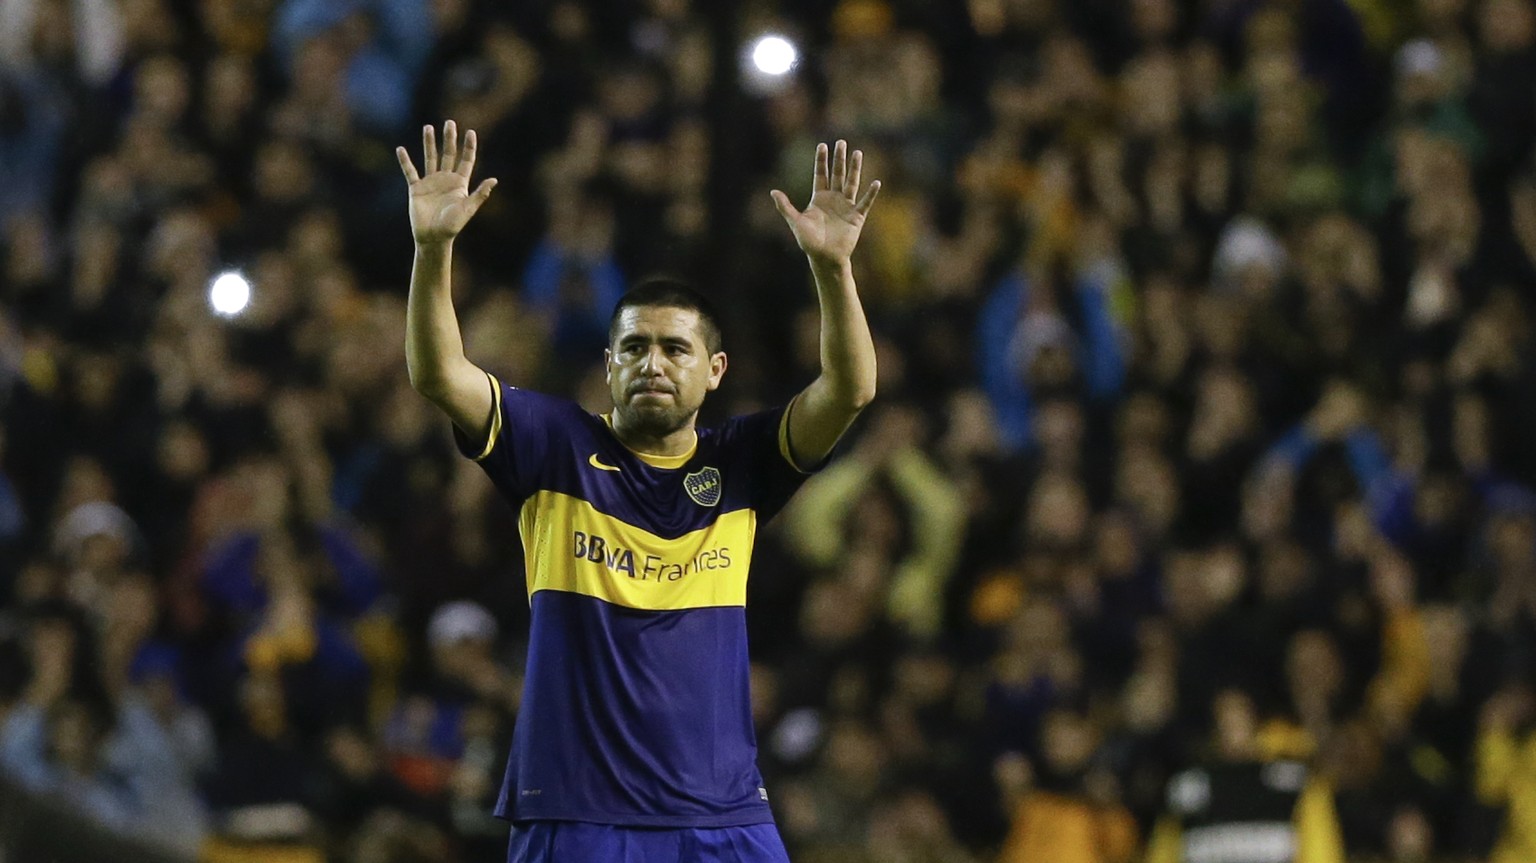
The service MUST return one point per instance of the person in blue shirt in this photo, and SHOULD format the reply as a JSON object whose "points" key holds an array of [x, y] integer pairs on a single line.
{"points": [[635, 739]]}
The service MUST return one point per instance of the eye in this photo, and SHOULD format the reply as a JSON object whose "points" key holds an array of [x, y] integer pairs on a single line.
{"points": [[634, 350]]}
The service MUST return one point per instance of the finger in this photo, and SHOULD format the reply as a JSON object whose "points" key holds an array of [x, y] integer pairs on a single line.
{"points": [[819, 182], [869, 198], [839, 165], [405, 165], [481, 195], [785, 207], [450, 146], [428, 149], [855, 171], [466, 164]]}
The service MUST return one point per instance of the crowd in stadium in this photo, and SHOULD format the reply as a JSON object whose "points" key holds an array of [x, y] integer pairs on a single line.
{"points": [[1203, 439]]}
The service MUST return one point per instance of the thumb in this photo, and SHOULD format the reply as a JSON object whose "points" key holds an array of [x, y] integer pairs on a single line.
{"points": [[482, 193], [785, 208]]}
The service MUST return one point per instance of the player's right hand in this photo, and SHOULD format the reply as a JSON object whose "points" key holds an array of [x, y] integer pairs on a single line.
{"points": [[440, 200]]}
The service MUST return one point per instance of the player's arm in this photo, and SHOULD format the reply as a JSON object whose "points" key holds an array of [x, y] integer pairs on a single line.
{"points": [[441, 205], [827, 231]]}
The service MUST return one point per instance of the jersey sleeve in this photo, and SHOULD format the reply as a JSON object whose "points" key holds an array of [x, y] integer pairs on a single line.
{"points": [[763, 440], [525, 429]]}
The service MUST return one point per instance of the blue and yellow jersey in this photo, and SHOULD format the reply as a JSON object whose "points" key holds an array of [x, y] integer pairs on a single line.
{"points": [[635, 707]]}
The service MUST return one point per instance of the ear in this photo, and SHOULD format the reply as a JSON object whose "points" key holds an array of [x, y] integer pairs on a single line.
{"points": [[607, 365], [717, 366]]}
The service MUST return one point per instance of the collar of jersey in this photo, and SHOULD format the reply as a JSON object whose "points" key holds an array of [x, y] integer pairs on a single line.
{"points": [[669, 462]]}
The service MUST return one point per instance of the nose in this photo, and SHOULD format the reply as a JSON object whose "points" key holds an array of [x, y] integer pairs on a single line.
{"points": [[653, 360]]}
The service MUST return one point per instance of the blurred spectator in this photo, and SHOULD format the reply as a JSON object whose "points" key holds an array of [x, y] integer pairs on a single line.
{"points": [[263, 789], [32, 123], [1244, 803], [843, 521], [913, 829], [103, 753], [1061, 813], [369, 52], [1504, 776], [883, 79], [287, 597], [429, 731], [572, 278], [1027, 347], [82, 39]]}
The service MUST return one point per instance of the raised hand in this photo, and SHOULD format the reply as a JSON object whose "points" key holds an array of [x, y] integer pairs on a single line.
{"points": [[828, 229], [440, 200]]}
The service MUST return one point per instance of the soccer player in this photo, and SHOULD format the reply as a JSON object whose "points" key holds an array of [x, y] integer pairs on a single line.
{"points": [[635, 742]]}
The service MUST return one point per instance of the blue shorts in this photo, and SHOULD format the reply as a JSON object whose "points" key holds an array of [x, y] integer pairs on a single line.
{"points": [[581, 842]]}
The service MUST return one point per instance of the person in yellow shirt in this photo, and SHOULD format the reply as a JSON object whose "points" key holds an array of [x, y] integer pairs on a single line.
{"points": [[1506, 771]]}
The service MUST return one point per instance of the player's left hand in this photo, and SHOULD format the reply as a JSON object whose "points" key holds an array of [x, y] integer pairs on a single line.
{"points": [[828, 229]]}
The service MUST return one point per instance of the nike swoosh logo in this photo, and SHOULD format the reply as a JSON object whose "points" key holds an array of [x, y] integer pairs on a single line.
{"points": [[599, 465]]}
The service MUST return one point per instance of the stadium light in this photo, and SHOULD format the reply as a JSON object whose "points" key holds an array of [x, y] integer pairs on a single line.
{"points": [[766, 63], [229, 293], [774, 55]]}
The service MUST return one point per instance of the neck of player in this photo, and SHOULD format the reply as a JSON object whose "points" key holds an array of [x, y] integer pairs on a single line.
{"points": [[673, 443]]}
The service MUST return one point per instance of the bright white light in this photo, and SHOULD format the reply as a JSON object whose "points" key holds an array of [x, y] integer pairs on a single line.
{"points": [[774, 55], [229, 293]]}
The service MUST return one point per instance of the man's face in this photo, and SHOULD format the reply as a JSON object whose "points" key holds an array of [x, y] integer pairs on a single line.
{"points": [[659, 368]]}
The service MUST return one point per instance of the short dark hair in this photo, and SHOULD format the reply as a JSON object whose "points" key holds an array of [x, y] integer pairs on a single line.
{"points": [[671, 293]]}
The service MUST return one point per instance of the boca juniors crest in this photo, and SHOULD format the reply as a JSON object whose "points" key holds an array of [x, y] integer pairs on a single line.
{"points": [[703, 486]]}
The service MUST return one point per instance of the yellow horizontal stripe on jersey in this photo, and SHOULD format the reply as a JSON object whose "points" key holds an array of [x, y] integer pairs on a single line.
{"points": [[568, 545]]}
